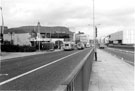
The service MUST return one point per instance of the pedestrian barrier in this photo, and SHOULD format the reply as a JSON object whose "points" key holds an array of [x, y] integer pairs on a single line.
{"points": [[79, 79]]}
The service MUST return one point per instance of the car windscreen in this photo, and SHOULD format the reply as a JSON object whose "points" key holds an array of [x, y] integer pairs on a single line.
{"points": [[66, 44]]}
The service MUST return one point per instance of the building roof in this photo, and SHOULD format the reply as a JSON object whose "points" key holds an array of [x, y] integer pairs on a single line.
{"points": [[43, 29]]}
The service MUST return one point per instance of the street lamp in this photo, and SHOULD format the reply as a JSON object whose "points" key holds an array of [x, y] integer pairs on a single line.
{"points": [[11, 34], [94, 31], [2, 32], [38, 35], [2, 27]]}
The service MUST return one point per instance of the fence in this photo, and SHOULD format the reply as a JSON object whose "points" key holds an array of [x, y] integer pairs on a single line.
{"points": [[79, 79]]}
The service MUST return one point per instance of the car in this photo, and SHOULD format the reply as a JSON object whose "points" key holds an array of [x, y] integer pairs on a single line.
{"points": [[87, 45], [102, 46], [80, 46]]}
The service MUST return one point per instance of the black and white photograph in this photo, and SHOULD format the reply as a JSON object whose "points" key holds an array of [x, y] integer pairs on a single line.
{"points": [[67, 45]]}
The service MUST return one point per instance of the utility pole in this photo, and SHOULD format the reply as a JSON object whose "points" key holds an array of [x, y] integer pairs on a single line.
{"points": [[50, 36], [2, 27], [2, 34], [38, 26], [94, 31], [58, 41]]}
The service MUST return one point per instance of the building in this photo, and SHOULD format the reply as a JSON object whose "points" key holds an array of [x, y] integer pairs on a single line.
{"points": [[103, 40], [27, 35], [81, 37], [122, 37]]}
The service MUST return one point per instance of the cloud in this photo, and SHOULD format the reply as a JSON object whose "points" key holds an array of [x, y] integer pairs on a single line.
{"points": [[112, 15], [121, 17], [55, 15]]}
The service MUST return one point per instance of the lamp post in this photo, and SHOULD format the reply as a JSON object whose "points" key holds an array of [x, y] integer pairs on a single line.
{"points": [[94, 31], [50, 36], [11, 34], [2, 27], [38, 26], [2, 33], [58, 41]]}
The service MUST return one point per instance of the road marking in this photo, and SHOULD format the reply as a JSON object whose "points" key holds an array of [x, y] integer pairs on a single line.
{"points": [[127, 61], [121, 50], [3, 59], [3, 74], [26, 73]]}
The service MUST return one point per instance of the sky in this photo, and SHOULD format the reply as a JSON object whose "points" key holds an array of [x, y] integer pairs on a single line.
{"points": [[77, 15]]}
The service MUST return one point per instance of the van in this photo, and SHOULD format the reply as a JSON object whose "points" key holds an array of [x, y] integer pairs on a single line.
{"points": [[68, 46]]}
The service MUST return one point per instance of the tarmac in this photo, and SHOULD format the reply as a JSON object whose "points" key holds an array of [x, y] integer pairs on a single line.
{"points": [[110, 73], [9, 55]]}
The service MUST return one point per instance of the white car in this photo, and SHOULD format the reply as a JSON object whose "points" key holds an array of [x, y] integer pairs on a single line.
{"points": [[87, 45]]}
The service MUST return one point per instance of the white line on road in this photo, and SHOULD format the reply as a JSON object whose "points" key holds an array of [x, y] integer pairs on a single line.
{"points": [[26, 73], [121, 50]]}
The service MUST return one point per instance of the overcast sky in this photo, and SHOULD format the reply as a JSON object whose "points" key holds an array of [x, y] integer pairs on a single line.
{"points": [[112, 15]]}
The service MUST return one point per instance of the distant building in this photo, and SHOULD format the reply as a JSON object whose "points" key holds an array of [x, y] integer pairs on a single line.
{"points": [[122, 37], [27, 34], [81, 37], [103, 40]]}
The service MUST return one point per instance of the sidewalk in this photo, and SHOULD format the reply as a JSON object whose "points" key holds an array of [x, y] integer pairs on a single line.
{"points": [[111, 74], [10, 55]]}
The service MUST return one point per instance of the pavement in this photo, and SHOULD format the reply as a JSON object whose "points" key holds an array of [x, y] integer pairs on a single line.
{"points": [[110, 73], [9, 55]]}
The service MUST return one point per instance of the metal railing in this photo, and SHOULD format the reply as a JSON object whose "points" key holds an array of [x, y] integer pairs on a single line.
{"points": [[79, 79]]}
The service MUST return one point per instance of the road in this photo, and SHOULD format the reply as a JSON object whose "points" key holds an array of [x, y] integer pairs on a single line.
{"points": [[39, 72], [127, 56]]}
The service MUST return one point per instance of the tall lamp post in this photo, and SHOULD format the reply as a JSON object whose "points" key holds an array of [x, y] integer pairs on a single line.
{"points": [[11, 34], [38, 35], [2, 27], [58, 41], [94, 31], [2, 33]]}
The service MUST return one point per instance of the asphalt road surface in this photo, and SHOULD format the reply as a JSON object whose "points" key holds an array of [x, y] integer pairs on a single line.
{"points": [[123, 54], [39, 72]]}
